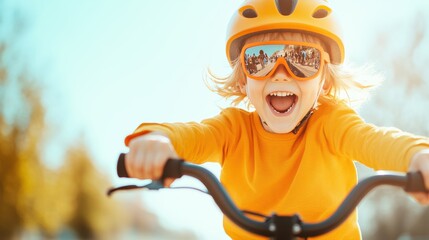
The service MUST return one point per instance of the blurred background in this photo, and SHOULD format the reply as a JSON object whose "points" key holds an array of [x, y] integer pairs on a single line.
{"points": [[77, 76]]}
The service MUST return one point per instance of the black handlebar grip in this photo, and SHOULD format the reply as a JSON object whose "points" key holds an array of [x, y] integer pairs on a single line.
{"points": [[120, 167], [172, 168], [415, 182]]}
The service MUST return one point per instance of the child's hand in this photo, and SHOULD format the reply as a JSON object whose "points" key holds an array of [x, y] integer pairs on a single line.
{"points": [[148, 155], [420, 162]]}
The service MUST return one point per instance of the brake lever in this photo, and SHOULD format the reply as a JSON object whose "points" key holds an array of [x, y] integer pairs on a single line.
{"points": [[154, 185]]}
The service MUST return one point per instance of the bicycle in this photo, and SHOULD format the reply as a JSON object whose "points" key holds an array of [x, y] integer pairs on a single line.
{"points": [[275, 226]]}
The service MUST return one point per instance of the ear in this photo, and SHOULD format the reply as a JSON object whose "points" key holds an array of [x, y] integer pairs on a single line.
{"points": [[327, 85], [327, 81]]}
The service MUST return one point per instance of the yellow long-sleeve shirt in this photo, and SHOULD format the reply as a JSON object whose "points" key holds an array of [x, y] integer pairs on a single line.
{"points": [[309, 173]]}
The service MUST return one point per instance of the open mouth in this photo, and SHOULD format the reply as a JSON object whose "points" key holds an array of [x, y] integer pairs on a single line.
{"points": [[281, 102]]}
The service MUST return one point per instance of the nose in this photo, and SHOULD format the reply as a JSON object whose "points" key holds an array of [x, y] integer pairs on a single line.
{"points": [[280, 74]]}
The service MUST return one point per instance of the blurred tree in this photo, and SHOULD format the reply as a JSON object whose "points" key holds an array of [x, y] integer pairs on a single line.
{"points": [[10, 219], [24, 181], [34, 198], [95, 216], [403, 53], [36, 201], [393, 214]]}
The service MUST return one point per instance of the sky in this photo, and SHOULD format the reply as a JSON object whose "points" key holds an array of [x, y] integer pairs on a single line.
{"points": [[108, 65]]}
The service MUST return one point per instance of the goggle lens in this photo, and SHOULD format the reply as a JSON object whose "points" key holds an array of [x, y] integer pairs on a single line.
{"points": [[302, 62]]}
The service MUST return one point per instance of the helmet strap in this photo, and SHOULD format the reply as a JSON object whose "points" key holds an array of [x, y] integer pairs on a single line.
{"points": [[303, 120]]}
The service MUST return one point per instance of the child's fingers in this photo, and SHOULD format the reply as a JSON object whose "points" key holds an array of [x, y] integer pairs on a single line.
{"points": [[148, 165], [422, 198], [423, 167], [168, 182], [160, 156], [420, 162], [134, 160], [159, 160], [130, 164], [138, 166], [148, 155], [158, 168]]}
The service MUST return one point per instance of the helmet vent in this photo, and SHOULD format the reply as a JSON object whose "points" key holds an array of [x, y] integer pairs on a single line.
{"points": [[321, 13], [249, 13], [286, 7]]}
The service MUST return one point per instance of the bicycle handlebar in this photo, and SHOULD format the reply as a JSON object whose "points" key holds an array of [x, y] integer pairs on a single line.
{"points": [[410, 182]]}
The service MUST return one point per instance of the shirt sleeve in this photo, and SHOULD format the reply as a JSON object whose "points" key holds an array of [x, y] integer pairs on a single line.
{"points": [[380, 148], [206, 141]]}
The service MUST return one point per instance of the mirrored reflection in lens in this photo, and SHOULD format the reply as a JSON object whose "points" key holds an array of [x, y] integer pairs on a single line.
{"points": [[260, 60], [303, 61]]}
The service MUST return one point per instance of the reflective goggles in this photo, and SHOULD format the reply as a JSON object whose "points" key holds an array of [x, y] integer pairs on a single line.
{"points": [[303, 61]]}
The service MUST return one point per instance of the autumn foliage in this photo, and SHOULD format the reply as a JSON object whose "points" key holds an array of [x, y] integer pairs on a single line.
{"points": [[33, 197], [67, 202]]}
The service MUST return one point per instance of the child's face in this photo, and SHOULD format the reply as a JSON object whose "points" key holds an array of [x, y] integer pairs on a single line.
{"points": [[281, 114], [282, 101]]}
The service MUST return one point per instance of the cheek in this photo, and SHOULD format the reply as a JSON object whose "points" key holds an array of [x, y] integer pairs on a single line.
{"points": [[251, 93], [254, 89], [309, 89], [256, 97]]}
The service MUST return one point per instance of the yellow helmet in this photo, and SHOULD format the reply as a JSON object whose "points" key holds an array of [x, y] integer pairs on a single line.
{"points": [[310, 16]]}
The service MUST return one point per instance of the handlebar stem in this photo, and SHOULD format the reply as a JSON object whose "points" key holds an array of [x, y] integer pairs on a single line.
{"points": [[285, 227]]}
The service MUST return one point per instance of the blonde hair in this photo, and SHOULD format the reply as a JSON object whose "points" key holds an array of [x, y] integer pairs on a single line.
{"points": [[342, 82]]}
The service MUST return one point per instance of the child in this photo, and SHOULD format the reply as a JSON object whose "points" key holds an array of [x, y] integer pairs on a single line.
{"points": [[295, 152]]}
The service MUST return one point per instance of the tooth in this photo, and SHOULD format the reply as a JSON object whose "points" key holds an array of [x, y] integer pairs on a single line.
{"points": [[281, 94]]}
